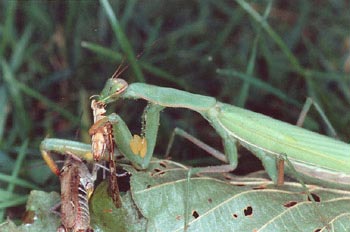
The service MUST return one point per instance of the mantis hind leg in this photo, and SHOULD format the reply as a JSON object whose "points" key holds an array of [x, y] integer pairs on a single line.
{"points": [[212, 151], [297, 176], [283, 158], [272, 166]]}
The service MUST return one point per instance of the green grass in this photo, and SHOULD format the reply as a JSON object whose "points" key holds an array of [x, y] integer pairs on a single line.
{"points": [[262, 56]]}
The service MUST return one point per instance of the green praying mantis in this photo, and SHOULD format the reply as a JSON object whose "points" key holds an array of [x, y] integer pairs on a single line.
{"points": [[316, 158]]}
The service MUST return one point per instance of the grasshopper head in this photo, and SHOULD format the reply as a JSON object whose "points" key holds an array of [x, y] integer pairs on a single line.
{"points": [[114, 87]]}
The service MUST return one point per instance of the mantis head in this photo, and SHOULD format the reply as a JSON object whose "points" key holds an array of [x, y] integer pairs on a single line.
{"points": [[114, 87]]}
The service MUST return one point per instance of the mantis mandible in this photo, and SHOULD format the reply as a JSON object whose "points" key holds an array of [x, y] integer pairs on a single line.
{"points": [[317, 158]]}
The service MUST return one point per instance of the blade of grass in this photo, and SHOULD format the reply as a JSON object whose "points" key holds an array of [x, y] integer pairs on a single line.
{"points": [[4, 106], [16, 201], [306, 73], [40, 16], [258, 83], [50, 104], [21, 155], [145, 65], [153, 35], [191, 28], [6, 163], [7, 34], [20, 49], [17, 181], [124, 43], [20, 111], [293, 36], [163, 74], [244, 92], [84, 107], [5, 195], [128, 12], [278, 40], [103, 51], [235, 19], [9, 199]]}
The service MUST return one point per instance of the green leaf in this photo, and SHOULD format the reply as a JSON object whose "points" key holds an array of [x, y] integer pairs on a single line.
{"points": [[40, 216], [247, 204], [106, 217], [163, 198]]}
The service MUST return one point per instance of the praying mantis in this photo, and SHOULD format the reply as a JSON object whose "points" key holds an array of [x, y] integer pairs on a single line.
{"points": [[316, 158]]}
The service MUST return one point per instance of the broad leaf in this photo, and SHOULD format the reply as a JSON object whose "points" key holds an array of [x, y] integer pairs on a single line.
{"points": [[245, 204], [39, 216], [163, 198], [106, 217]]}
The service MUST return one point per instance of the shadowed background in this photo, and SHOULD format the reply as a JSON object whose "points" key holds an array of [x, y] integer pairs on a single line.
{"points": [[56, 54]]}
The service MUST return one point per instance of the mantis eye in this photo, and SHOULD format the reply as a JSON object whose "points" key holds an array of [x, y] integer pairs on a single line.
{"points": [[138, 145], [120, 86], [113, 89]]}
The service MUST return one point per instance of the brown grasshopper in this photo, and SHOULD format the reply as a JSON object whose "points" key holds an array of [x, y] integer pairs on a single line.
{"points": [[102, 141], [77, 185]]}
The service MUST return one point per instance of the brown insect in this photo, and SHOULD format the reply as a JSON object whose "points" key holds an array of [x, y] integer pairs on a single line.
{"points": [[103, 142], [77, 185]]}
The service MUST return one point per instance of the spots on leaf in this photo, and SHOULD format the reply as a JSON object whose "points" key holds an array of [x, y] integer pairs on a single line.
{"points": [[248, 211], [290, 204], [195, 214]]}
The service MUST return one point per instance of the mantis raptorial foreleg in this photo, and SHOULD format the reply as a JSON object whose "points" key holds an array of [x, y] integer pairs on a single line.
{"points": [[139, 149], [134, 147]]}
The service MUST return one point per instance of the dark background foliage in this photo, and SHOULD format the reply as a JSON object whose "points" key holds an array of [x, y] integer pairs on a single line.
{"points": [[55, 54]]}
